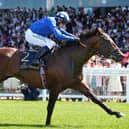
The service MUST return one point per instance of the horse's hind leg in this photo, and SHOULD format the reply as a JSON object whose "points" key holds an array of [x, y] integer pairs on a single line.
{"points": [[88, 93], [52, 99]]}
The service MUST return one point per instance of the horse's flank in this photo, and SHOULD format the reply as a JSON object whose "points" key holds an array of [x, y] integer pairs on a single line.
{"points": [[64, 63], [8, 61]]}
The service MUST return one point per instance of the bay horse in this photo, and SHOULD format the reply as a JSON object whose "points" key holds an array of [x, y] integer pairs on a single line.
{"points": [[64, 67]]}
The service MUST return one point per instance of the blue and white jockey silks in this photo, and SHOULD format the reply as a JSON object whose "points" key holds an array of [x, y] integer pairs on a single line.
{"points": [[40, 30]]}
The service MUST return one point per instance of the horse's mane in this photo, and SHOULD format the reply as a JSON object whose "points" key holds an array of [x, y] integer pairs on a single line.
{"points": [[90, 33], [83, 35]]}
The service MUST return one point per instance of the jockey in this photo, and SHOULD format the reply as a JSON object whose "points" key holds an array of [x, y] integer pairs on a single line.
{"points": [[39, 32]]}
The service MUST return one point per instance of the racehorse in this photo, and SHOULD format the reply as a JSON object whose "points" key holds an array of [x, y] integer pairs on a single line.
{"points": [[64, 67]]}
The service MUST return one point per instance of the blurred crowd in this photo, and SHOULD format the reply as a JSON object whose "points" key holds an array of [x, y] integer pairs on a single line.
{"points": [[115, 21], [14, 22], [106, 85]]}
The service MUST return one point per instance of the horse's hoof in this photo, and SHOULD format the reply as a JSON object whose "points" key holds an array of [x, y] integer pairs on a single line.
{"points": [[119, 115], [47, 124]]}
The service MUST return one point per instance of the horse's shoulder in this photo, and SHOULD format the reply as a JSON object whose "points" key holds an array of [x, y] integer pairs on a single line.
{"points": [[8, 51]]}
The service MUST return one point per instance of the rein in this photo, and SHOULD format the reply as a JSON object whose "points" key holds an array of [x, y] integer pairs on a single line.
{"points": [[83, 45]]}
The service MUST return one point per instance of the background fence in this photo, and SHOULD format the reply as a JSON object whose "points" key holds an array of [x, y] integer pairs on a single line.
{"points": [[68, 94], [47, 4], [110, 72]]}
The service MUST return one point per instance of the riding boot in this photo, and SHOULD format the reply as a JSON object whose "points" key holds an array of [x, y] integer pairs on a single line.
{"points": [[39, 57]]}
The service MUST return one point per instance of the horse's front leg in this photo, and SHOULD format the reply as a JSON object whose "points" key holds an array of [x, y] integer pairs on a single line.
{"points": [[84, 89], [52, 99]]}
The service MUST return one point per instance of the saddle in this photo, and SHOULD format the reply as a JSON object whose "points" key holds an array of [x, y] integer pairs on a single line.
{"points": [[26, 60]]}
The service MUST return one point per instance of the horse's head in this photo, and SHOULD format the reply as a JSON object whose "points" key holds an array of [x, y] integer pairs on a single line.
{"points": [[103, 44]]}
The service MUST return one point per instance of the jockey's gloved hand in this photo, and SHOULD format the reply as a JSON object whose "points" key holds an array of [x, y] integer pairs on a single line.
{"points": [[76, 39]]}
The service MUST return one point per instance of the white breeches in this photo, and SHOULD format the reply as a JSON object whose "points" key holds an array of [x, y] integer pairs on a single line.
{"points": [[38, 40]]}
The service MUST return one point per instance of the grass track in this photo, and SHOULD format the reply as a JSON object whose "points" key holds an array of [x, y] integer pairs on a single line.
{"points": [[67, 115]]}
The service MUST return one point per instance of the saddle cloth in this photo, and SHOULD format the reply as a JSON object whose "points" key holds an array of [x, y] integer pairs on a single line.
{"points": [[26, 59]]}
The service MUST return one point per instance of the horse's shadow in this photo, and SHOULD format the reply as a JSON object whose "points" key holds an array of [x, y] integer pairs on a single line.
{"points": [[21, 125], [35, 125]]}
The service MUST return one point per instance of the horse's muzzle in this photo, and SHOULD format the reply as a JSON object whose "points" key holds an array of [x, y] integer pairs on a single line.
{"points": [[117, 55], [125, 58]]}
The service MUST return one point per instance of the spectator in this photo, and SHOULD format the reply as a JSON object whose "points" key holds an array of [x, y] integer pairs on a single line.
{"points": [[114, 84], [99, 79], [14, 22]]}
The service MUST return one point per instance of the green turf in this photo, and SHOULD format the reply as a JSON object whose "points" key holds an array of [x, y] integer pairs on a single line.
{"points": [[67, 115]]}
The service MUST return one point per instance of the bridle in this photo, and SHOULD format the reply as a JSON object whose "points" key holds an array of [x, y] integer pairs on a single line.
{"points": [[113, 52]]}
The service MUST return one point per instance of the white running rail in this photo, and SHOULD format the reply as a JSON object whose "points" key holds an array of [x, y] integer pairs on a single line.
{"points": [[109, 72], [87, 71]]}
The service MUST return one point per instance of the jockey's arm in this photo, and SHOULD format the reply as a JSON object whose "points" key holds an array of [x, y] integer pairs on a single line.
{"points": [[65, 32], [69, 34], [62, 36]]}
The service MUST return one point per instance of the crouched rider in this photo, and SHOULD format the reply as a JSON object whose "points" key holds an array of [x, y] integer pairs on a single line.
{"points": [[38, 33]]}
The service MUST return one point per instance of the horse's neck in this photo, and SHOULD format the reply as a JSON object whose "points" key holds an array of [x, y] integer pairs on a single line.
{"points": [[80, 54], [89, 49]]}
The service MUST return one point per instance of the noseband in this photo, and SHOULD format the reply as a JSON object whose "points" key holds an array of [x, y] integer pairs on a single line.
{"points": [[115, 51]]}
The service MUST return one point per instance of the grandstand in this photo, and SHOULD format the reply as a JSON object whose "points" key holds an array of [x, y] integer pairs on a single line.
{"points": [[17, 15], [48, 4]]}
